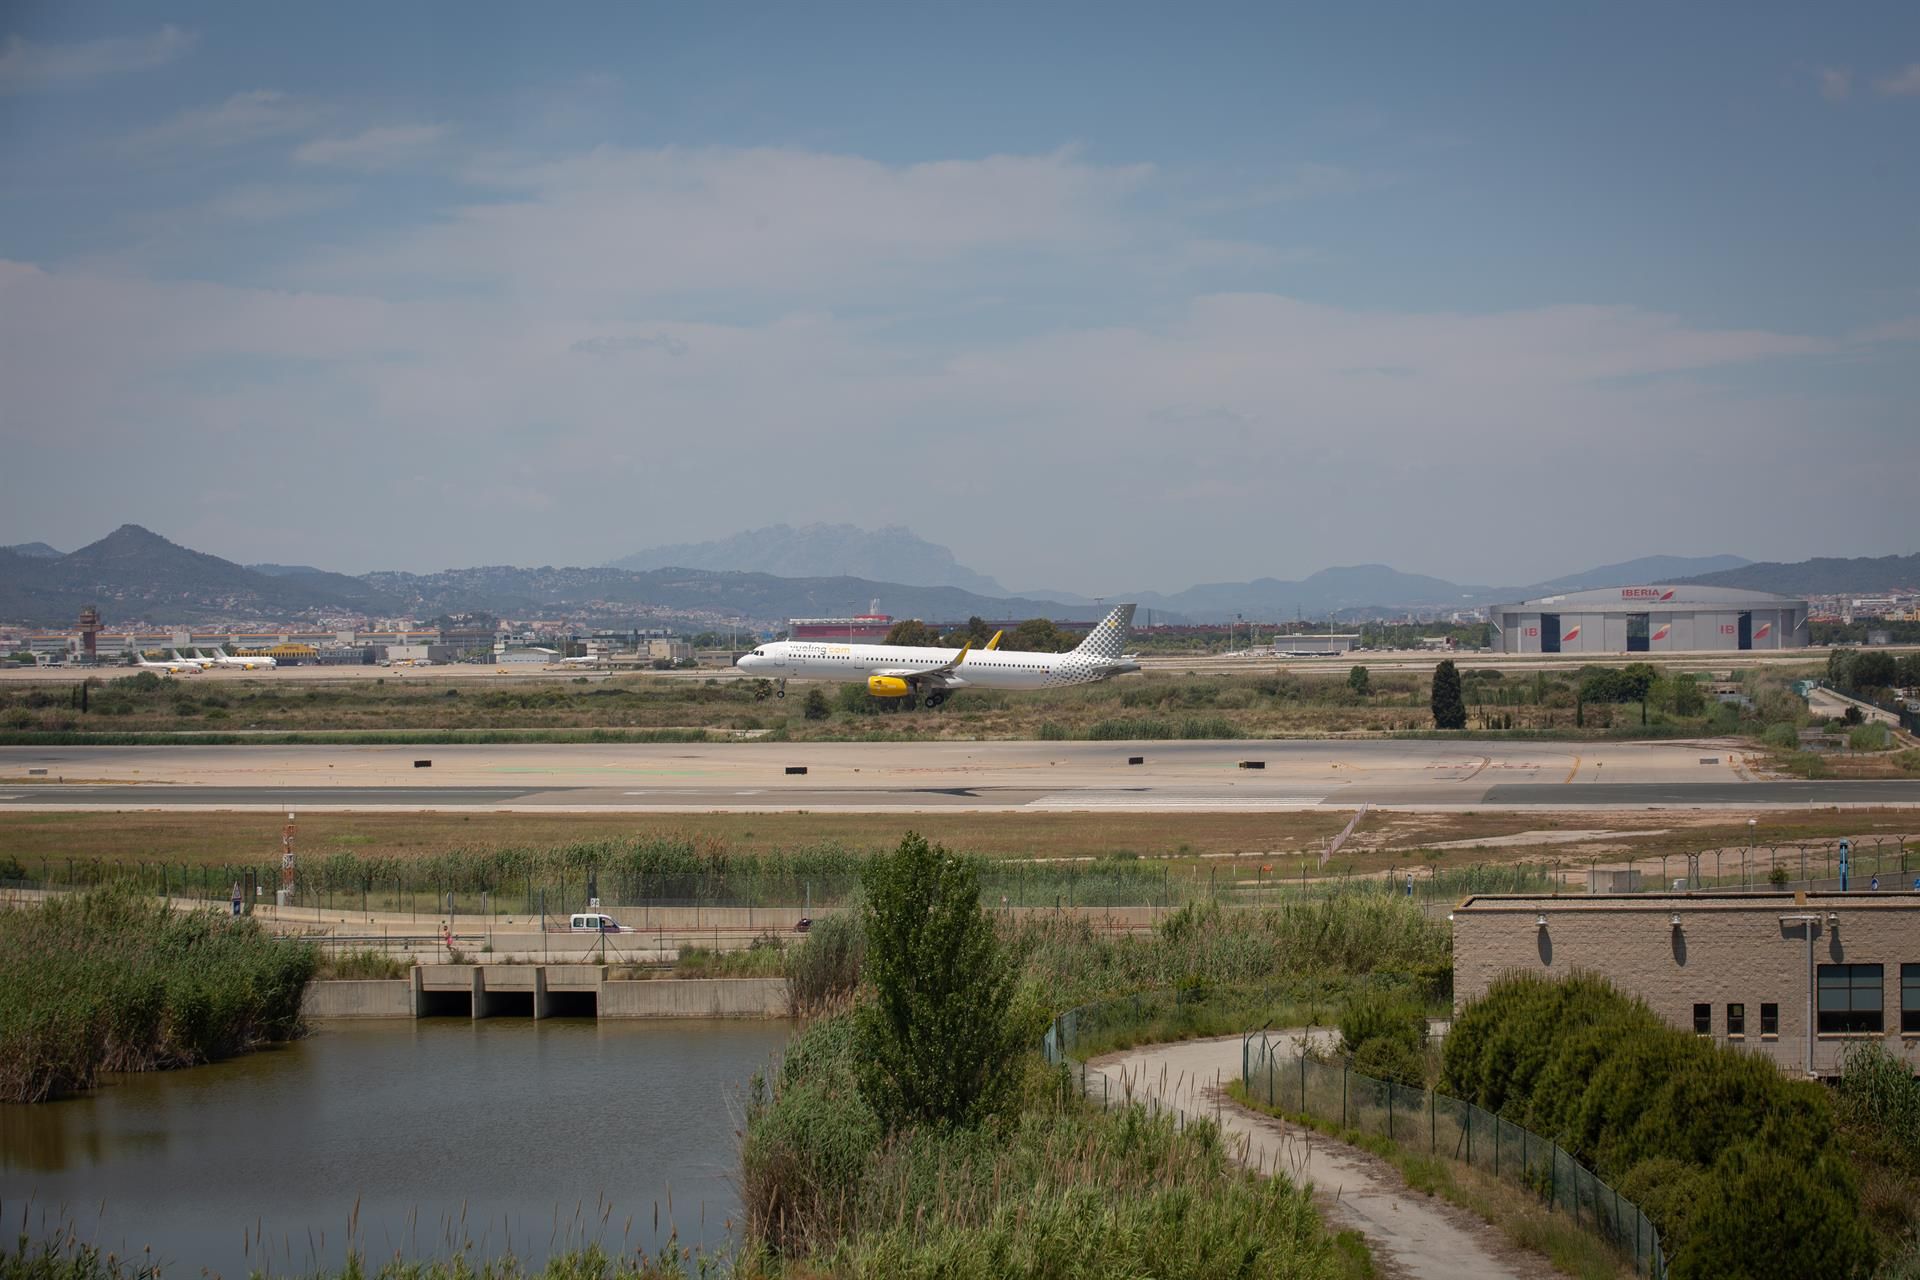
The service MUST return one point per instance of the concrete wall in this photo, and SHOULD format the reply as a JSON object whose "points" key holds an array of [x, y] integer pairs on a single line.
{"points": [[359, 998], [1728, 948], [496, 987], [694, 998]]}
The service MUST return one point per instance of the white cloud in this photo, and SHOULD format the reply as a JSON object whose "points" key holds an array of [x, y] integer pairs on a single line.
{"points": [[381, 147], [1245, 419], [1835, 83], [675, 219], [25, 67], [1904, 83], [244, 117]]}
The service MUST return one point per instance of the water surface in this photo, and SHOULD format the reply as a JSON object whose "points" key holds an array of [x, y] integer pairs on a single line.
{"points": [[501, 1132]]}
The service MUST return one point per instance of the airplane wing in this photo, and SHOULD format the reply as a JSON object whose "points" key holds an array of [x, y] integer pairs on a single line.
{"points": [[941, 676]]}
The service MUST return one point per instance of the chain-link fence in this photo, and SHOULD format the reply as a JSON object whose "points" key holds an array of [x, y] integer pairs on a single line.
{"points": [[1278, 1076], [435, 888], [1850, 864]]}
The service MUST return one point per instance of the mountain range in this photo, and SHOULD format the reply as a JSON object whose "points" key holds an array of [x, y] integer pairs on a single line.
{"points": [[890, 554], [135, 574]]}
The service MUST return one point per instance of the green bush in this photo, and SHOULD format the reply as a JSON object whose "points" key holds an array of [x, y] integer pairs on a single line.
{"points": [[1737, 1165], [1869, 737], [1783, 737], [1385, 1036]]}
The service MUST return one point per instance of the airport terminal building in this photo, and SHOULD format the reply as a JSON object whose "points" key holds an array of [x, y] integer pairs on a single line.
{"points": [[1675, 619]]}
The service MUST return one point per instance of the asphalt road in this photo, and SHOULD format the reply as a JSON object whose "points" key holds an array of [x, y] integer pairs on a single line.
{"points": [[1244, 776], [881, 798]]}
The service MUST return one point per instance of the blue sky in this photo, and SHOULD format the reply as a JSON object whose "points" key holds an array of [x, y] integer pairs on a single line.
{"points": [[1104, 297]]}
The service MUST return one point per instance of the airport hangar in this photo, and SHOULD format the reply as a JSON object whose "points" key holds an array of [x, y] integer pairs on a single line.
{"points": [[1677, 619]]}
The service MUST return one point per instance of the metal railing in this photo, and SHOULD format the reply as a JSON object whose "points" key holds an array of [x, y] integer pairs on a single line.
{"points": [[1426, 1120]]}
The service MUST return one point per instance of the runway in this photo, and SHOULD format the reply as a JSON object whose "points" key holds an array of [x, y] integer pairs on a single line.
{"points": [[912, 777]]}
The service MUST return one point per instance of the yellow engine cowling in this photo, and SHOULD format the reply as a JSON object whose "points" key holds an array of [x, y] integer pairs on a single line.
{"points": [[888, 687]]}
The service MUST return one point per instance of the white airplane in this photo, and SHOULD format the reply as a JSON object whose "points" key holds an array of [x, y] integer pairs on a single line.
{"points": [[171, 668], [912, 672], [221, 658], [586, 660], [200, 663]]}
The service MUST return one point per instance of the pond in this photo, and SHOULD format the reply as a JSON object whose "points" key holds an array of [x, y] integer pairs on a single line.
{"points": [[418, 1137]]}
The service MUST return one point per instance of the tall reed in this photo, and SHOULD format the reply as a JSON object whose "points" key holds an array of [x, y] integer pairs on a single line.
{"points": [[112, 981]]}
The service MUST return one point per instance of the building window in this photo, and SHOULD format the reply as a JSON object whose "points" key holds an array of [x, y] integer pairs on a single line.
{"points": [[1703, 1019], [1736, 1019], [1910, 998], [1851, 999], [1769, 1019]]}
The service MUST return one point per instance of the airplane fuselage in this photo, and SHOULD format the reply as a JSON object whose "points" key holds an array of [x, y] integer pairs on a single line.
{"points": [[991, 669]]}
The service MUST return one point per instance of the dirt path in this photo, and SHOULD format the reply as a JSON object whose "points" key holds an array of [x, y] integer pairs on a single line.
{"points": [[1410, 1234]]}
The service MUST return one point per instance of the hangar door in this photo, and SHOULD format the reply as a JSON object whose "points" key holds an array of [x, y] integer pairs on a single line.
{"points": [[1746, 631], [1549, 633], [1639, 632]]}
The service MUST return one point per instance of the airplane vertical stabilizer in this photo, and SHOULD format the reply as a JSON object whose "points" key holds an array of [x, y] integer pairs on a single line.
{"points": [[1108, 637]]}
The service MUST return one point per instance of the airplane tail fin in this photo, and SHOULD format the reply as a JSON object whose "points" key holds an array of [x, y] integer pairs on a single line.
{"points": [[993, 643], [1109, 635]]}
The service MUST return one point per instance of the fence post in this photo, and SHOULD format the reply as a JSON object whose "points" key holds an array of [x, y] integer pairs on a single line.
{"points": [[1346, 1070], [1303, 1083], [1433, 1121], [1497, 1122], [1389, 1085]]}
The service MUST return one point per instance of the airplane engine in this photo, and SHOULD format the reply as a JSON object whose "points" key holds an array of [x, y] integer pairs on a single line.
{"points": [[888, 687]]}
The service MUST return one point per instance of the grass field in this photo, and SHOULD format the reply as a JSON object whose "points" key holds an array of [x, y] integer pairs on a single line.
{"points": [[1153, 704], [1237, 845]]}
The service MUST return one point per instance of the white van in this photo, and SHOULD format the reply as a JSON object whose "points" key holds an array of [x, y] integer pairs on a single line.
{"points": [[596, 922]]}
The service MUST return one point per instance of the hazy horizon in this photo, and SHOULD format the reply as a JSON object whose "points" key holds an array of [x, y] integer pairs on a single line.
{"points": [[1102, 300]]}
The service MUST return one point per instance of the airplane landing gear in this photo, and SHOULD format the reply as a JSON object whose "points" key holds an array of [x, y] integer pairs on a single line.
{"points": [[935, 698], [780, 688]]}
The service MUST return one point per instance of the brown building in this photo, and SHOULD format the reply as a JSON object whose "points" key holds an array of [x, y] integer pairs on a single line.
{"points": [[1799, 977]]}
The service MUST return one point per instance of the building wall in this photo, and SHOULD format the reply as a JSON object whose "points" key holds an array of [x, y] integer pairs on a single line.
{"points": [[1729, 948], [1687, 630]]}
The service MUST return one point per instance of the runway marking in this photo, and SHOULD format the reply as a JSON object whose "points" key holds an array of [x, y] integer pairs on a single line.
{"points": [[1571, 772]]}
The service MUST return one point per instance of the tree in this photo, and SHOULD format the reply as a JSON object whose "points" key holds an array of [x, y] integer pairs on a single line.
{"points": [[1359, 681], [1688, 700], [1039, 635], [1449, 709], [816, 706], [1873, 669], [937, 1044], [912, 631]]}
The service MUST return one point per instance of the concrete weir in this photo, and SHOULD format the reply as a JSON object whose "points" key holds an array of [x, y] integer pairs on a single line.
{"points": [[542, 991]]}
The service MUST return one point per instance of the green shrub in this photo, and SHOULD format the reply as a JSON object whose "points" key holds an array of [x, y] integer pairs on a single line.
{"points": [[1869, 737], [1783, 737], [1737, 1165], [1385, 1035]]}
